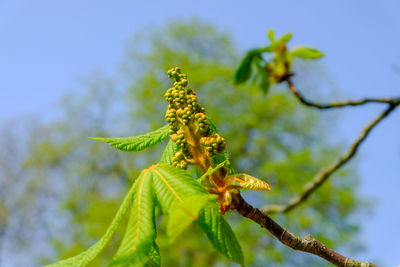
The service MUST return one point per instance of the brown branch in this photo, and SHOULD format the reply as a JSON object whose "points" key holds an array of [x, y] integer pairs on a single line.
{"points": [[347, 103], [325, 173], [306, 244]]}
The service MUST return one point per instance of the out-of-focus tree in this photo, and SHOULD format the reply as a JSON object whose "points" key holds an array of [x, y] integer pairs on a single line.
{"points": [[282, 142]]}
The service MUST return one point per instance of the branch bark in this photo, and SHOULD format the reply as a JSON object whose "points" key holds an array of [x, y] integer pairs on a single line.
{"points": [[325, 173], [306, 244], [347, 103]]}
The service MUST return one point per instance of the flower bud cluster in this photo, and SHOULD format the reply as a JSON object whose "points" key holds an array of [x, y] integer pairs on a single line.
{"points": [[182, 101], [179, 160], [185, 113], [213, 144], [180, 140], [203, 124]]}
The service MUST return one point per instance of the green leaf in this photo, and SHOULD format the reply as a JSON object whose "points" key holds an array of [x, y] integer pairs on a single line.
{"points": [[258, 51], [154, 256], [87, 256], [181, 197], [262, 78], [137, 143], [169, 152], [285, 38], [244, 70], [185, 212], [210, 170], [243, 180], [306, 52], [264, 83], [138, 241], [271, 35], [173, 185], [220, 233]]}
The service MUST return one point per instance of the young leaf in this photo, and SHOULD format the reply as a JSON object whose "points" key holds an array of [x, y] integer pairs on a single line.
{"points": [[210, 171], [136, 143], [225, 155], [87, 256], [243, 180], [179, 195], [244, 70], [306, 52], [285, 38], [262, 78], [185, 212], [220, 233], [169, 152], [138, 241], [271, 36], [173, 185], [154, 256]]}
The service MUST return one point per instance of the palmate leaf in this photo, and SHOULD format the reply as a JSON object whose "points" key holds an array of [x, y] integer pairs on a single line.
{"points": [[181, 198], [136, 143], [140, 232], [179, 195], [219, 232], [177, 192], [87, 256], [245, 69]]}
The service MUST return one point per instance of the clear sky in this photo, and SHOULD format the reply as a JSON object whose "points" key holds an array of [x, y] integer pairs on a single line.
{"points": [[46, 45]]}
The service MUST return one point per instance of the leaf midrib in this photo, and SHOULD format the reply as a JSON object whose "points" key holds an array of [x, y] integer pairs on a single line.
{"points": [[138, 211]]}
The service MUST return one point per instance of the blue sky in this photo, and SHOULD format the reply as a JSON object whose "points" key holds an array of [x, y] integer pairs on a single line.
{"points": [[45, 46]]}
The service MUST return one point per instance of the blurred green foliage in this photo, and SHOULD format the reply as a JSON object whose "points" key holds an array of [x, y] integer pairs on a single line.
{"points": [[269, 136], [272, 64]]}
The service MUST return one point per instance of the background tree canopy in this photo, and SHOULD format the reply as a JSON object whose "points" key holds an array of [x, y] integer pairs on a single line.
{"points": [[70, 187]]}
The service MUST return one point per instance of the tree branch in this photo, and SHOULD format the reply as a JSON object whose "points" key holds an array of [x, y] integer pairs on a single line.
{"points": [[306, 244], [325, 173], [347, 103]]}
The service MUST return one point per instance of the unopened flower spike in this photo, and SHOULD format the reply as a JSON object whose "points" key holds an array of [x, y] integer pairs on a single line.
{"points": [[190, 129]]}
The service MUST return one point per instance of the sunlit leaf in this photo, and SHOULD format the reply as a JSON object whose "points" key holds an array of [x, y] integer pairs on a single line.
{"points": [[87, 256], [172, 185], [220, 233], [136, 143], [185, 212], [242, 180], [140, 233]]}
